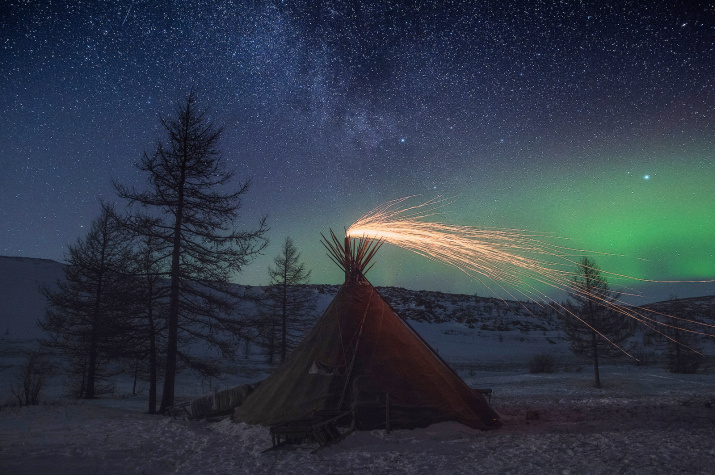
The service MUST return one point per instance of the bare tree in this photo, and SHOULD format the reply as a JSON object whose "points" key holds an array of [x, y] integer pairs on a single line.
{"points": [[594, 304], [187, 208], [86, 317], [290, 304]]}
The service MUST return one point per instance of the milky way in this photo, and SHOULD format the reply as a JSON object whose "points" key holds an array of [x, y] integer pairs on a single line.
{"points": [[589, 120]]}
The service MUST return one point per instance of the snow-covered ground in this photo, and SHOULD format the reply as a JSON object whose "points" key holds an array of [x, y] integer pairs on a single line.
{"points": [[644, 420]]}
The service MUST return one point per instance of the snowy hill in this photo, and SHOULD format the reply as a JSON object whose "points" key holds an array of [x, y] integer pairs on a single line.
{"points": [[476, 333], [468, 331], [480, 332], [694, 306]]}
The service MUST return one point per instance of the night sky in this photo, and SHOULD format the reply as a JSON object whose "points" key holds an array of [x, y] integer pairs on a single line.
{"points": [[588, 120]]}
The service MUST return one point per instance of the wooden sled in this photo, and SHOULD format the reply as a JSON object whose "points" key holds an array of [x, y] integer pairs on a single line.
{"points": [[321, 428]]}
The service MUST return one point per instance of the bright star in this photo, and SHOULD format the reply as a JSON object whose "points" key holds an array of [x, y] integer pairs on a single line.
{"points": [[646, 177]]}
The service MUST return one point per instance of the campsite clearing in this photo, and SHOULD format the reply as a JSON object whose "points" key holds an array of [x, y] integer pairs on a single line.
{"points": [[644, 420]]}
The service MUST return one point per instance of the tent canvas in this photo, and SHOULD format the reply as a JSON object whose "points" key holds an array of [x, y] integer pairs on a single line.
{"points": [[361, 356]]}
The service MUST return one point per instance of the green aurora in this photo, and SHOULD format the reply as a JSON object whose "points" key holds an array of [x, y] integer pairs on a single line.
{"points": [[645, 217], [659, 218]]}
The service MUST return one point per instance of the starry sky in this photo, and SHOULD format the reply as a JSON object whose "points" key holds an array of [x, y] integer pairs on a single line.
{"points": [[590, 120]]}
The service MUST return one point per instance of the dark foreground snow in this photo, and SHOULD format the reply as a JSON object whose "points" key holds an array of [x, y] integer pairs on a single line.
{"points": [[643, 421]]}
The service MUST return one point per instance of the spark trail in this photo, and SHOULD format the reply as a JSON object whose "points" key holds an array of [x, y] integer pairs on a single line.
{"points": [[517, 262]]}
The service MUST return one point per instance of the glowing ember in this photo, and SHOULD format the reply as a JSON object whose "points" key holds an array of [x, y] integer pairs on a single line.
{"points": [[515, 261]]}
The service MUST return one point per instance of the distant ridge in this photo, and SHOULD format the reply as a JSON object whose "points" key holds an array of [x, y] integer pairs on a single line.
{"points": [[22, 303], [33, 259]]}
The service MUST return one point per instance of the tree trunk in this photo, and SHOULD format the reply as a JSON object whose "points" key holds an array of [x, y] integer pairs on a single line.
{"points": [[83, 381], [678, 367], [284, 317], [271, 344], [93, 346], [597, 377], [594, 336], [91, 366], [96, 311], [167, 396], [136, 376], [152, 365]]}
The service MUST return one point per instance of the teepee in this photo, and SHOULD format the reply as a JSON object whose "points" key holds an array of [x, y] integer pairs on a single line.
{"points": [[361, 357]]}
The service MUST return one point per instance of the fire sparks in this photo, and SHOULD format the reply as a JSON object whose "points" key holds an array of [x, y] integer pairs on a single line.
{"points": [[517, 262], [497, 256]]}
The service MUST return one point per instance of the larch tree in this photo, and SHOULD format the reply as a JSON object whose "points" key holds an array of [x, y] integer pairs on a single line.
{"points": [[87, 313], [593, 302], [290, 306], [192, 205]]}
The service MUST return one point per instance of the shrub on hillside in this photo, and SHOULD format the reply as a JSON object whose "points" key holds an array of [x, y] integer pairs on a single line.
{"points": [[542, 363], [33, 376], [645, 358], [684, 361]]}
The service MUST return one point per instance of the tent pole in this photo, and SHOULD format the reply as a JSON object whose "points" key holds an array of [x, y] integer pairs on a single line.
{"points": [[387, 412], [352, 361]]}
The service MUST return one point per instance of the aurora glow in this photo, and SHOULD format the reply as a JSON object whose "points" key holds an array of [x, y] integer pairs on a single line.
{"points": [[664, 227]]}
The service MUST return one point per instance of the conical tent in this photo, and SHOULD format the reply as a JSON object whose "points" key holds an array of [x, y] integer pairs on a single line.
{"points": [[361, 356]]}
